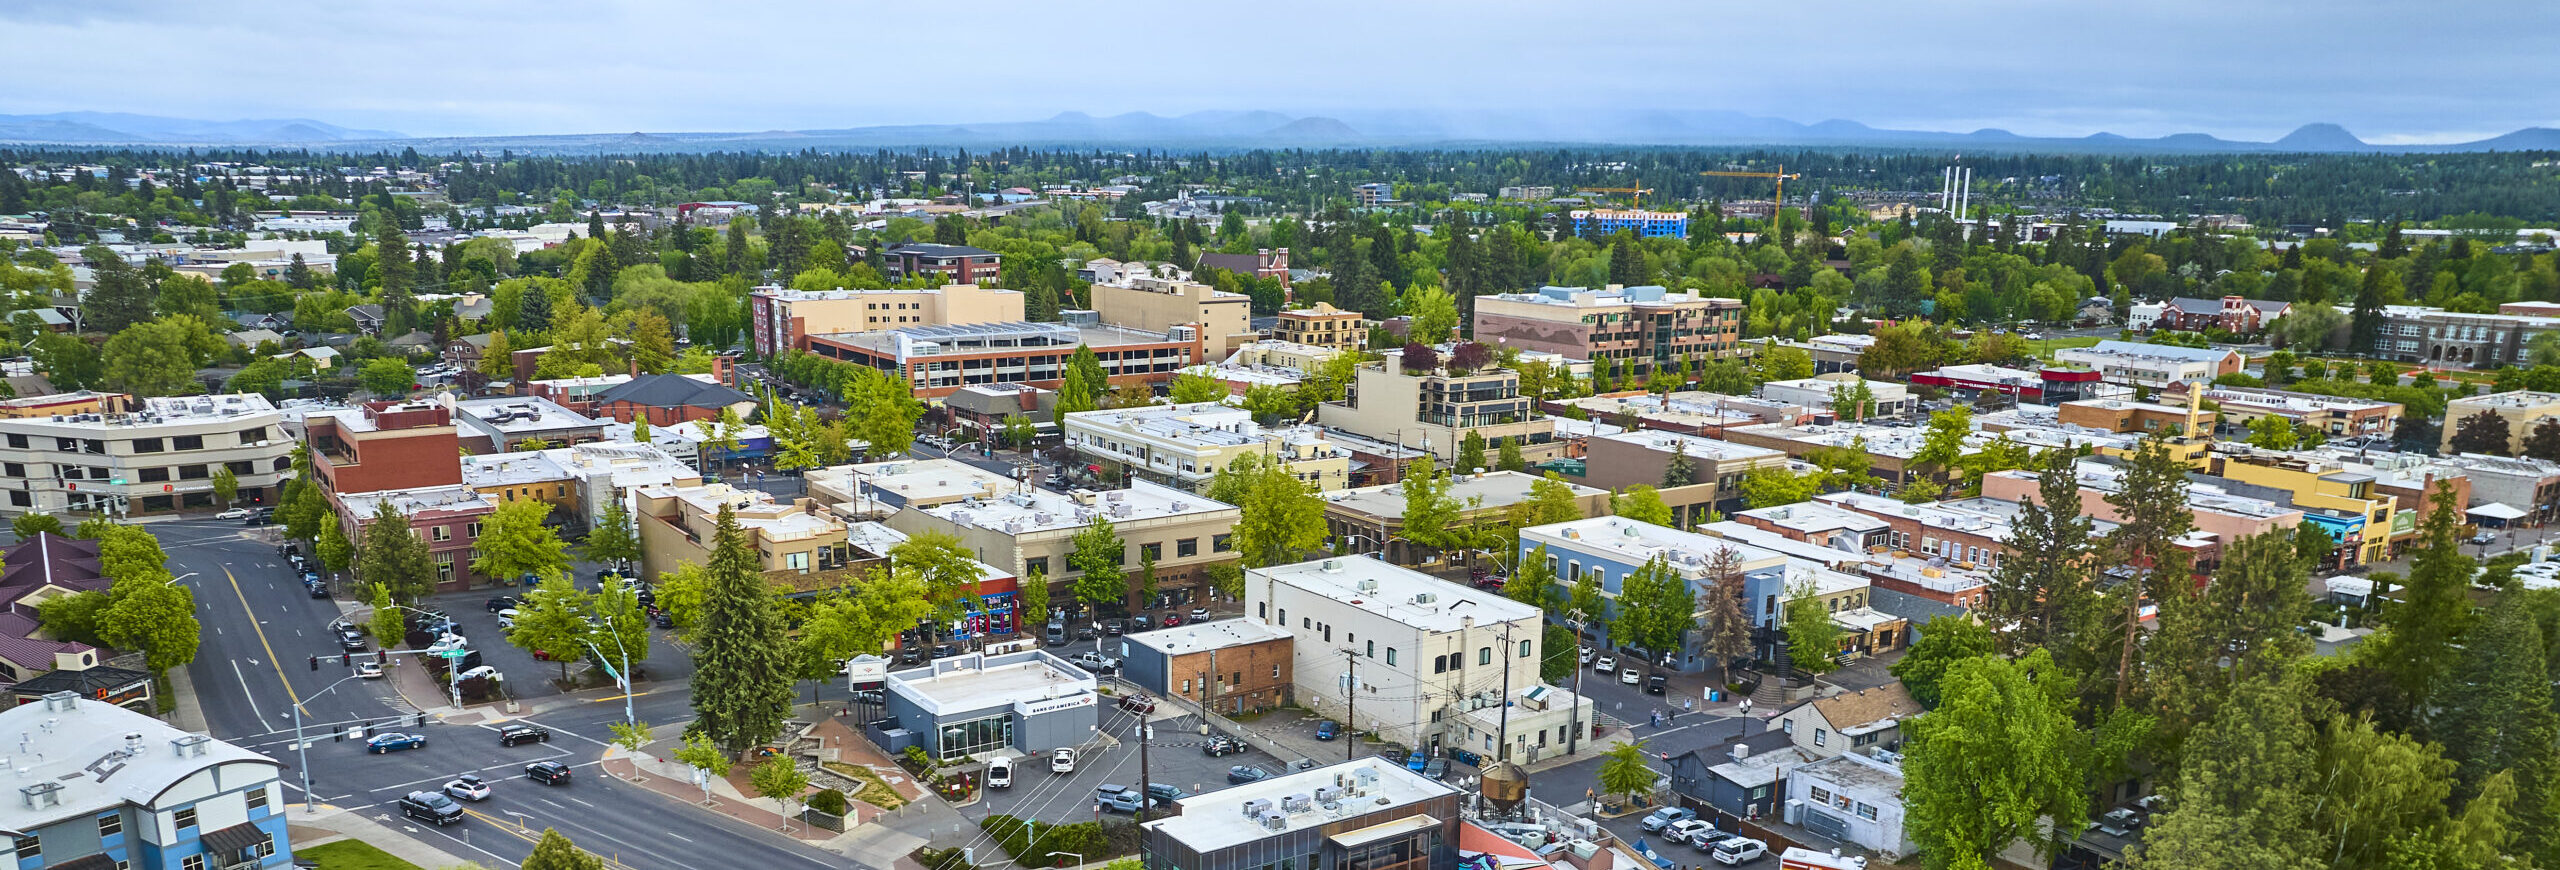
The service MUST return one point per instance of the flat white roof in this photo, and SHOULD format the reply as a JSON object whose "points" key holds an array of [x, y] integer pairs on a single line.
{"points": [[1497, 489], [82, 753], [977, 681], [1039, 510], [1397, 593], [513, 414], [1217, 820], [1634, 543], [1215, 634], [1696, 445]]}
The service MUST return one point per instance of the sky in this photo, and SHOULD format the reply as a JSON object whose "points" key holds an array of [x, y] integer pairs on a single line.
{"points": [[2450, 70]]}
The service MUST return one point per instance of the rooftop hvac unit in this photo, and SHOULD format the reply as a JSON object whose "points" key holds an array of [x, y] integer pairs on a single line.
{"points": [[1297, 803], [1257, 807], [1584, 849], [1275, 822], [1424, 598], [1328, 794], [1366, 777], [1368, 586]]}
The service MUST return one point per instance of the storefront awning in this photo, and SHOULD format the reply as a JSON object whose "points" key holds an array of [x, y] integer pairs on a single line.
{"points": [[2496, 511]]}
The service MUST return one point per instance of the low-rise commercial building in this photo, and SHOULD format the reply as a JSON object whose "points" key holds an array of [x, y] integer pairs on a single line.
{"points": [[1637, 329], [1541, 721], [1365, 814], [2335, 416], [938, 360], [113, 455], [2154, 365], [1825, 393], [1691, 412], [796, 543], [1413, 648], [447, 518], [2340, 500], [977, 704], [953, 264], [902, 483], [1232, 666], [1187, 445], [984, 409], [104, 787], [2048, 385], [1372, 518], [501, 425], [1852, 798], [1850, 721], [1032, 532], [1611, 549], [1715, 468], [2528, 484], [666, 400], [1589, 223]]}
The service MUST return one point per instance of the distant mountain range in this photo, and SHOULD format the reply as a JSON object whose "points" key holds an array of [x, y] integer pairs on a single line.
{"points": [[1228, 130]]}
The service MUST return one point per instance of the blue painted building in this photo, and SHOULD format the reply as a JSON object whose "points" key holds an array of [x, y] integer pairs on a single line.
{"points": [[1611, 549], [105, 788], [1648, 224]]}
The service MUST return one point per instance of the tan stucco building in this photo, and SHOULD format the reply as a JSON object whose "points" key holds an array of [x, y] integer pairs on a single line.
{"points": [[783, 316], [796, 542], [1033, 532], [1322, 325], [1437, 408], [1225, 320]]}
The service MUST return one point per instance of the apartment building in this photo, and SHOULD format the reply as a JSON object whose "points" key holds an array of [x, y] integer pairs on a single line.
{"points": [[2336, 416], [954, 264], [1322, 325], [112, 454], [1620, 460], [1588, 223], [1187, 445], [1372, 519], [1639, 329], [1527, 192], [1032, 532], [1222, 320], [1435, 409], [796, 543], [107, 788], [1414, 647], [1281, 355], [939, 360], [1373, 194], [1611, 549], [2153, 365], [2520, 408], [783, 318]]}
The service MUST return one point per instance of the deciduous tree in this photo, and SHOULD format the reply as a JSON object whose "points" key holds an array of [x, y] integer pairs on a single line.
{"points": [[1097, 552], [1997, 761], [2484, 432], [1944, 641], [1280, 518], [391, 555], [515, 543], [1812, 640], [613, 540]]}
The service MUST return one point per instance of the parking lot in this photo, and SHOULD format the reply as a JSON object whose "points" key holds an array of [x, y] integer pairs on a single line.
{"points": [[1175, 757]]}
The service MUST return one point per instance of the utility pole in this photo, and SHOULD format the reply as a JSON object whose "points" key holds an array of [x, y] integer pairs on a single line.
{"points": [[1350, 705], [1502, 731], [1573, 733]]}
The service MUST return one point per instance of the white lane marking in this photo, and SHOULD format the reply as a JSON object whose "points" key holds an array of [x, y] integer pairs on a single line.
{"points": [[245, 691]]}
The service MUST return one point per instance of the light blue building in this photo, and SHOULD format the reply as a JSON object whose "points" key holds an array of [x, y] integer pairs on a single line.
{"points": [[1648, 224], [101, 787], [1613, 548]]}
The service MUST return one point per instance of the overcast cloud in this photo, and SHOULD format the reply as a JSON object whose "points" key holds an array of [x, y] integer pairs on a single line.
{"points": [[2390, 72]]}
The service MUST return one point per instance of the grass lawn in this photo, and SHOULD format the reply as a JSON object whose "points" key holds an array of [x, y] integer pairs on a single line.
{"points": [[875, 791], [352, 855]]}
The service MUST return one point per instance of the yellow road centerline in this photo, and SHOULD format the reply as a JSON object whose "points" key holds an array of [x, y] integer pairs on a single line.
{"points": [[262, 639]]}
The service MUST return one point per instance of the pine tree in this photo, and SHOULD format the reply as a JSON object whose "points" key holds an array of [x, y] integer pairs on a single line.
{"points": [[2367, 320], [533, 311], [2434, 608], [2244, 626], [2498, 717], [2152, 511], [1681, 470], [2040, 594], [741, 682]]}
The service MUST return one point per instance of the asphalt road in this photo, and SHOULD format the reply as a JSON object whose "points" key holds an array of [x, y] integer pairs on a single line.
{"points": [[260, 627]]}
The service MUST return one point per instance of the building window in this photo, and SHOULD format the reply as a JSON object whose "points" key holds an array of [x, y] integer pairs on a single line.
{"points": [[30, 847], [440, 533], [193, 472], [186, 818], [258, 798], [1821, 737], [1866, 811], [1439, 664], [1484, 656], [1186, 547], [18, 441], [472, 531], [1787, 725], [1391, 656], [1151, 552], [1820, 795], [1221, 543], [154, 475], [796, 562], [1524, 649], [110, 825], [21, 498], [1036, 565], [186, 442], [148, 445], [1372, 649], [192, 862]]}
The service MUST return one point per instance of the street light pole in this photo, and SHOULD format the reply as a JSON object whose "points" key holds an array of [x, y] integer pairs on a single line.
{"points": [[301, 750]]}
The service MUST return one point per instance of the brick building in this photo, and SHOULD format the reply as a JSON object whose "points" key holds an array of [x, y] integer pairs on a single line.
{"points": [[1232, 666]]}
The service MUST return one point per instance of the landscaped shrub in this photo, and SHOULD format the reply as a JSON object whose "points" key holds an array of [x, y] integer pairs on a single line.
{"points": [[829, 801]]}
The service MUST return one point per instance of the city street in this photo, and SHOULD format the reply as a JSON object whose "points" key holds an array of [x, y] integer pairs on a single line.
{"points": [[259, 629]]}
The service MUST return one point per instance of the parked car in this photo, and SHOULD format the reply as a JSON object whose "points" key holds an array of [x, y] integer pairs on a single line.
{"points": [[1000, 773], [1139, 704], [393, 742], [1654, 684], [1199, 614], [1629, 676], [430, 807], [1586, 655], [1123, 799], [1062, 760], [1436, 768], [1740, 850], [1115, 627], [1327, 730], [547, 772], [316, 588], [235, 514], [1605, 664], [1097, 663], [469, 787], [1687, 830], [502, 603], [2484, 538], [1415, 762], [507, 618], [1244, 773], [1163, 793], [1172, 619], [1662, 818], [510, 735], [1221, 746]]}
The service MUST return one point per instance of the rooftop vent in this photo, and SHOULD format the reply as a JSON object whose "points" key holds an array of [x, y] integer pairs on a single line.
{"points": [[61, 702], [41, 795]]}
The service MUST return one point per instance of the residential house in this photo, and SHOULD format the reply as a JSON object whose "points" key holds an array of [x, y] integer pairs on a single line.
{"points": [[1838, 724]]}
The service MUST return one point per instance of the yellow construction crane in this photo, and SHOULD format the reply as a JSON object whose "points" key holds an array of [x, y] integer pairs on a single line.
{"points": [[1639, 192], [1781, 175]]}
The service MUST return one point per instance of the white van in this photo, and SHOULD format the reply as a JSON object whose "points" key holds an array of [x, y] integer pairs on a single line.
{"points": [[1000, 773]]}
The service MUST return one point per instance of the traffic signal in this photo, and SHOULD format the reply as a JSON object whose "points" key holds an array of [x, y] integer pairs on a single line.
{"points": [[381, 657], [315, 663], [346, 661]]}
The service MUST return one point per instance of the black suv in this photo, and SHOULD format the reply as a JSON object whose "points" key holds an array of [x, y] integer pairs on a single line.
{"points": [[511, 735], [433, 807], [1218, 746], [547, 772]]}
